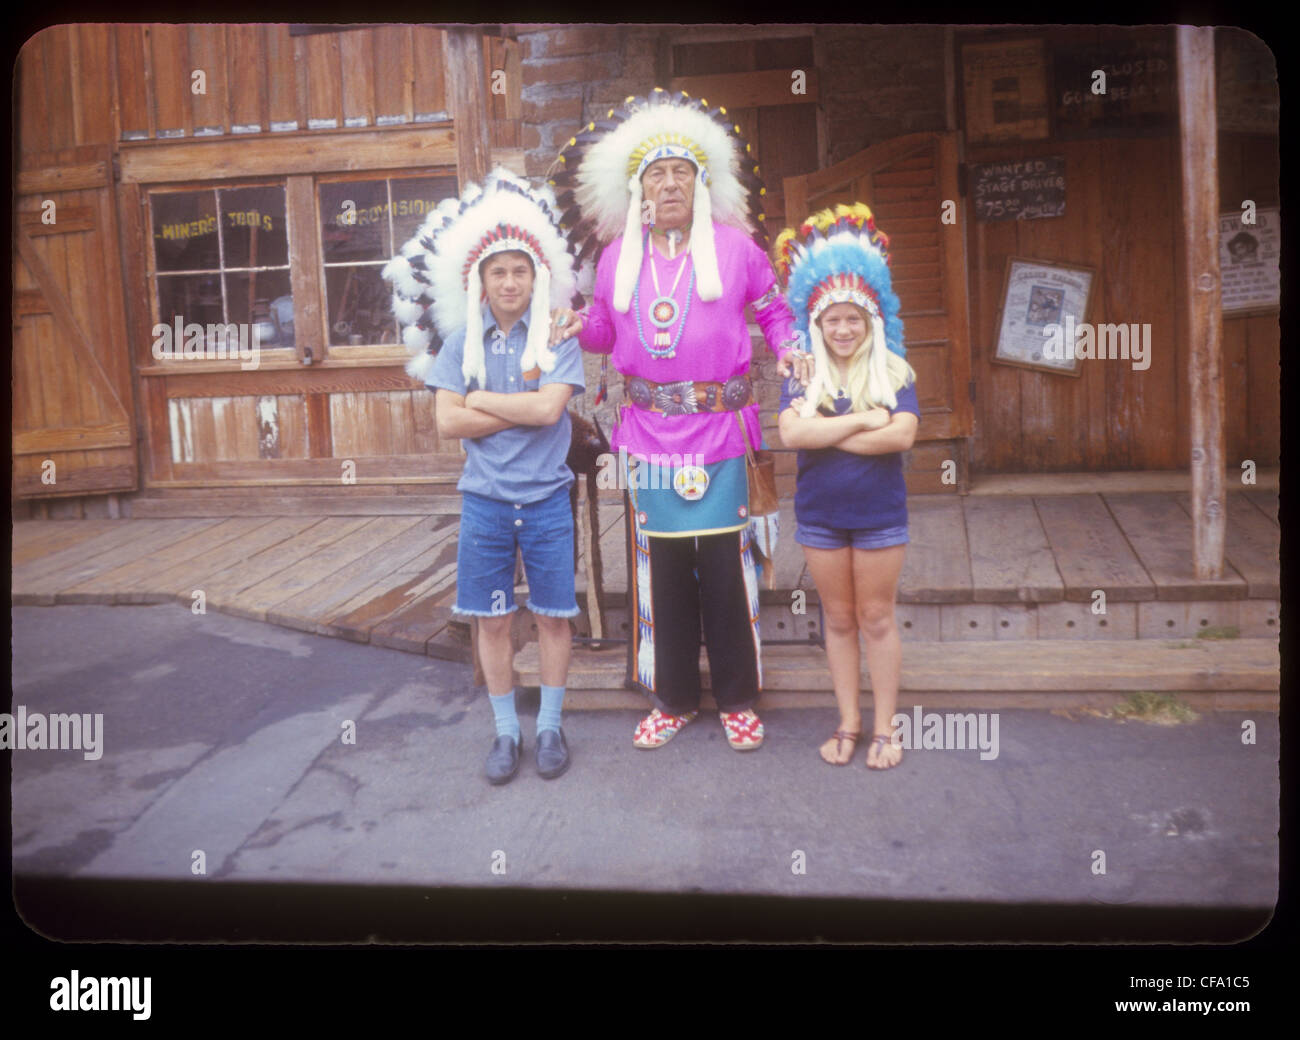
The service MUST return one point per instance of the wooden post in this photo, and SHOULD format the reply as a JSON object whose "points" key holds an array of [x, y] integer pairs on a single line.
{"points": [[1198, 126], [589, 538], [463, 51]]}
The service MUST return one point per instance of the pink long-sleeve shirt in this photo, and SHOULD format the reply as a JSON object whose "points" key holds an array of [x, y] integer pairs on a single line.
{"points": [[714, 345]]}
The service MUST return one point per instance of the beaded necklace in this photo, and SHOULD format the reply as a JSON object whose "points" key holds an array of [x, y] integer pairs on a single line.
{"points": [[663, 311]]}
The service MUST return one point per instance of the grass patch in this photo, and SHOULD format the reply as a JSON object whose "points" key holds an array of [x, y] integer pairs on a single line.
{"points": [[1219, 632], [1160, 709]]}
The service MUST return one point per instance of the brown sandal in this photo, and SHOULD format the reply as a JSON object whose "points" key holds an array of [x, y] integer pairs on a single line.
{"points": [[878, 742], [839, 736]]}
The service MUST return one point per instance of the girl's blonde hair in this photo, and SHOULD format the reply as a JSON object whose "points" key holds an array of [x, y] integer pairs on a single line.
{"points": [[898, 373]]}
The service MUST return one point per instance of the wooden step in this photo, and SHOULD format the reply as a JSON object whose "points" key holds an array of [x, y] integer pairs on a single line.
{"points": [[971, 670]]}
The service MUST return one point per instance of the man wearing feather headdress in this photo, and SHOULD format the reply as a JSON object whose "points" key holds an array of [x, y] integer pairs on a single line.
{"points": [[485, 271], [668, 187]]}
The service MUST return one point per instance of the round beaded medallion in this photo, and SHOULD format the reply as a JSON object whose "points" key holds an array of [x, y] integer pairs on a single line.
{"points": [[663, 312]]}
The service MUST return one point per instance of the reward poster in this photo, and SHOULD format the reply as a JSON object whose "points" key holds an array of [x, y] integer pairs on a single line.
{"points": [[1248, 261]]}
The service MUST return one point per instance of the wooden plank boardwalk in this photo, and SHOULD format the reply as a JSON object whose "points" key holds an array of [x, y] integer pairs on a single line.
{"points": [[979, 569]]}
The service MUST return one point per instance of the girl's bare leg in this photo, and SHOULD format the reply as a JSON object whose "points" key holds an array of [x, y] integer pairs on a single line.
{"points": [[832, 572], [875, 586]]}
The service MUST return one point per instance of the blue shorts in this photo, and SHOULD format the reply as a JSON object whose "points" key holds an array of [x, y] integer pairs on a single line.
{"points": [[817, 537], [491, 531]]}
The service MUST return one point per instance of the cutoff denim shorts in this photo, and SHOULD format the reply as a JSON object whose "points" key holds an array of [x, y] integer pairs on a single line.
{"points": [[491, 531], [817, 537]]}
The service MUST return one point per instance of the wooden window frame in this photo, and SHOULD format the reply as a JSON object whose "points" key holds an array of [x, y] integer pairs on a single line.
{"points": [[277, 357], [370, 353], [299, 161]]}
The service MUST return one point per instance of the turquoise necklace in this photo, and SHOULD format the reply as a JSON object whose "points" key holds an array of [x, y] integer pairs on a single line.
{"points": [[664, 309]]}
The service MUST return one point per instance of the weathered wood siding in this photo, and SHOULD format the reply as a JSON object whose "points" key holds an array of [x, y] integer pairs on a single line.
{"points": [[110, 116], [1122, 218]]}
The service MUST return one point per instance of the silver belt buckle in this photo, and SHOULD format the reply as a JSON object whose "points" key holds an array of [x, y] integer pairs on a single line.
{"points": [[676, 398]]}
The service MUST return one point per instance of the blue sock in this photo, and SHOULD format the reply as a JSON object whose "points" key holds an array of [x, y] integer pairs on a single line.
{"points": [[548, 715], [503, 707]]}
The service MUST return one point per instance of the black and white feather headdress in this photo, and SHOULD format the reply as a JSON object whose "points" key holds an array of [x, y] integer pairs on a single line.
{"points": [[597, 179], [436, 278]]}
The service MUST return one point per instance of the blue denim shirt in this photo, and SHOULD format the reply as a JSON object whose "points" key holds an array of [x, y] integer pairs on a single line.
{"points": [[520, 464]]}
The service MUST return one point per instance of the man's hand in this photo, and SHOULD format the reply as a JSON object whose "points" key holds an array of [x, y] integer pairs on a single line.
{"points": [[797, 363], [565, 322]]}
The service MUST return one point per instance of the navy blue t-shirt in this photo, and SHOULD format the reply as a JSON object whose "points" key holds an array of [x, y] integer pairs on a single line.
{"points": [[837, 488]]}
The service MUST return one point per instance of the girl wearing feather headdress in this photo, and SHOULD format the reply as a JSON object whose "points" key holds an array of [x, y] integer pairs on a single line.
{"points": [[852, 422]]}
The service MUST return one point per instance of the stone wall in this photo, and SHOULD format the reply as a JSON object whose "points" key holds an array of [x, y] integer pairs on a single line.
{"points": [[573, 73], [878, 82]]}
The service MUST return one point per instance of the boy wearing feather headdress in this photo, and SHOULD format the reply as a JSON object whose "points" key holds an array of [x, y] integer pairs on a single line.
{"points": [[485, 270]]}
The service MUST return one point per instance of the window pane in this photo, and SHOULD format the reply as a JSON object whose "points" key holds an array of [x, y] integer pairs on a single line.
{"points": [[282, 320], [190, 297], [185, 230], [253, 226], [360, 306], [414, 198], [366, 236], [249, 295]]}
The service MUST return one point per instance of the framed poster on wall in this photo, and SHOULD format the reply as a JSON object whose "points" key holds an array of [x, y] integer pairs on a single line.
{"points": [[1043, 303]]}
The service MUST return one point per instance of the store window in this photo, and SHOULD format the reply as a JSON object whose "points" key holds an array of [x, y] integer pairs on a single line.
{"points": [[363, 224], [221, 256]]}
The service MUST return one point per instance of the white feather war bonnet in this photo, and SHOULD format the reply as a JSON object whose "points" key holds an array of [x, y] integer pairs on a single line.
{"points": [[436, 280], [597, 179], [835, 256]]}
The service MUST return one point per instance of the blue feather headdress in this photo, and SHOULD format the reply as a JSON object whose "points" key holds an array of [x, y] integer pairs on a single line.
{"points": [[839, 256]]}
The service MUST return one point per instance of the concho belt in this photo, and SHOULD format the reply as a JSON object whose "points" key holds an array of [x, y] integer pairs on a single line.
{"points": [[686, 397]]}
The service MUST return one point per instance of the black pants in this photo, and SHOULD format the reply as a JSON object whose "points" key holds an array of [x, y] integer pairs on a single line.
{"points": [[697, 586]]}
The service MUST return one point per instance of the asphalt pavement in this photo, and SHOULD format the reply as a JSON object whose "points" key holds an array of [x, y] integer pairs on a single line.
{"points": [[235, 751]]}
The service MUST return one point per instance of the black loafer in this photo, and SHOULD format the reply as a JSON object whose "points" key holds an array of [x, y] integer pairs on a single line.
{"points": [[552, 753], [503, 760]]}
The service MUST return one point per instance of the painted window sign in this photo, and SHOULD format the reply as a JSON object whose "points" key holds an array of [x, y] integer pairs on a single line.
{"points": [[252, 218], [193, 229], [377, 214]]}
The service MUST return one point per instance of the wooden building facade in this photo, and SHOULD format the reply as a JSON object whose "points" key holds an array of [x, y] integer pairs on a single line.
{"points": [[211, 175], [260, 175]]}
